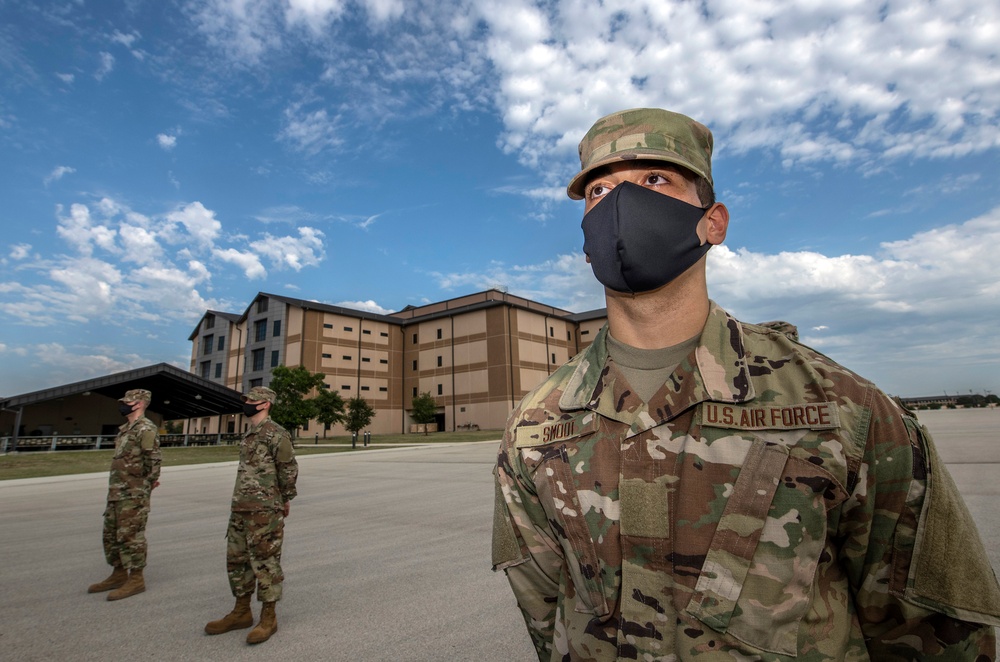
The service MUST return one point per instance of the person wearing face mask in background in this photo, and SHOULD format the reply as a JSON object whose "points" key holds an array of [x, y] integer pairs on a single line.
{"points": [[135, 471], [265, 486], [692, 486]]}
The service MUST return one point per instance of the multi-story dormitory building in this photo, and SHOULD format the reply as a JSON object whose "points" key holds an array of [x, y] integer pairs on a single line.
{"points": [[477, 355]]}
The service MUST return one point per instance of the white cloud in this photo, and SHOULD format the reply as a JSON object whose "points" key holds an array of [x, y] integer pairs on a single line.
{"points": [[243, 31], [245, 260], [306, 250], [80, 230], [166, 142], [124, 265], [77, 363], [125, 40], [106, 65], [66, 78], [200, 225], [309, 132], [57, 174], [368, 305]]}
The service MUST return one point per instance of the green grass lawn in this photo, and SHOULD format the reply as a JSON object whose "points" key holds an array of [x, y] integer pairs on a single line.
{"points": [[35, 464]]}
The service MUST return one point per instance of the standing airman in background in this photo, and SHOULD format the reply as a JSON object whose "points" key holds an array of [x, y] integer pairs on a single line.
{"points": [[135, 471], [265, 486]]}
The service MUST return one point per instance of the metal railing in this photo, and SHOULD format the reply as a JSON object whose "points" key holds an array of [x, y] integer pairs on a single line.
{"points": [[54, 442]]}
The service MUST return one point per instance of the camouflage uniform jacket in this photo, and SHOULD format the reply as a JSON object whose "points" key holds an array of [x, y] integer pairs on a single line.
{"points": [[136, 463], [266, 477], [767, 504]]}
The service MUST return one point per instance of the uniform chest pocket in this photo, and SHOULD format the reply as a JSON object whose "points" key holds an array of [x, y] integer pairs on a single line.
{"points": [[756, 582]]}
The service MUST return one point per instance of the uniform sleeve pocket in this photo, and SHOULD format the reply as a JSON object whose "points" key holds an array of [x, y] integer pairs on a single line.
{"points": [[756, 582]]}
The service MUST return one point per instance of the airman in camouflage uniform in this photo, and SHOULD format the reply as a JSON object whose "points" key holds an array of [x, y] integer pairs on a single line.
{"points": [[135, 471], [759, 503], [265, 486]]}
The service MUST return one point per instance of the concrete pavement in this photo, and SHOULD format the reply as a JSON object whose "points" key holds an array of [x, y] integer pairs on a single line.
{"points": [[386, 557]]}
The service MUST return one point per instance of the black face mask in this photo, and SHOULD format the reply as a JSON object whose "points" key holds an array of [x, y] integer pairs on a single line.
{"points": [[639, 240], [125, 409], [250, 410]]}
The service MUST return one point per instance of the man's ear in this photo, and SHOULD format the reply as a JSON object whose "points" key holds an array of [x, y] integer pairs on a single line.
{"points": [[717, 223]]}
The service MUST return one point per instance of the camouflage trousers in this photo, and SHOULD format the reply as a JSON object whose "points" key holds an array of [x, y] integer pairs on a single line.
{"points": [[253, 554], [125, 533]]}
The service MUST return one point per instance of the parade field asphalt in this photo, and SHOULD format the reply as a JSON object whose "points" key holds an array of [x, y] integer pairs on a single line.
{"points": [[386, 558]]}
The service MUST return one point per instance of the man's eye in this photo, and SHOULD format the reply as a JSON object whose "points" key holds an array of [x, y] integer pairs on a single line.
{"points": [[597, 191], [655, 180]]}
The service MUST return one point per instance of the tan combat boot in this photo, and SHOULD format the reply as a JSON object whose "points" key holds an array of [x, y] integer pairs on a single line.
{"points": [[240, 617], [135, 584], [268, 625], [117, 578]]}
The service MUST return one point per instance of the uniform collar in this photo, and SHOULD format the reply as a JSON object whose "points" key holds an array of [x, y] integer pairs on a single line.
{"points": [[255, 428], [128, 426], [716, 370]]}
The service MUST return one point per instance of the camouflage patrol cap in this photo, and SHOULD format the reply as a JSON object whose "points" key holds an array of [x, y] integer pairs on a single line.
{"points": [[260, 394], [644, 133], [136, 395]]}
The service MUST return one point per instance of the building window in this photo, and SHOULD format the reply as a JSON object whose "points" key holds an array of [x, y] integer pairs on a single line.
{"points": [[328, 356], [256, 382], [440, 363], [364, 388], [383, 389], [274, 357], [440, 389], [367, 332], [552, 332], [585, 333], [258, 359], [206, 369], [345, 387], [414, 391], [568, 336], [218, 370], [209, 321], [277, 328], [222, 343], [384, 361], [325, 385], [365, 359], [305, 426], [439, 334], [262, 305], [414, 339], [414, 364], [259, 330], [384, 334], [553, 358], [207, 343], [348, 329], [346, 357], [327, 326]]}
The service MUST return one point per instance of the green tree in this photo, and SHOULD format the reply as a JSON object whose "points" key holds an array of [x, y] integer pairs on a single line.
{"points": [[292, 409], [359, 414], [424, 410], [329, 408]]}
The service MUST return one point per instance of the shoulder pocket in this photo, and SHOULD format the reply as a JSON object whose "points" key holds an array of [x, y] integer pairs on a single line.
{"points": [[945, 532]]}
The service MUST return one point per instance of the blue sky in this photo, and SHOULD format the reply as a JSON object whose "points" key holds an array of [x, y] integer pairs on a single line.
{"points": [[161, 157]]}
